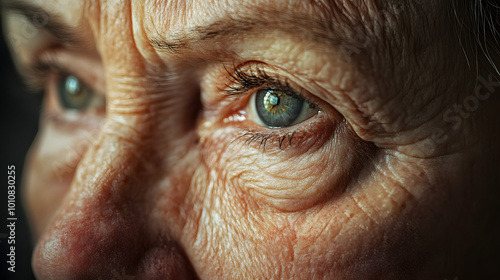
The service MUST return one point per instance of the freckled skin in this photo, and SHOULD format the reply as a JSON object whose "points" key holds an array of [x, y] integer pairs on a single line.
{"points": [[159, 188]]}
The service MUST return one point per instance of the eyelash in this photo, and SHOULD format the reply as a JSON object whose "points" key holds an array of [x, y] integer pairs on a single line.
{"points": [[241, 82], [246, 82], [254, 137]]}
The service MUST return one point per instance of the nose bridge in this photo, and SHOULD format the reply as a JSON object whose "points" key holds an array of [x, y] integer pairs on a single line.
{"points": [[100, 218]]}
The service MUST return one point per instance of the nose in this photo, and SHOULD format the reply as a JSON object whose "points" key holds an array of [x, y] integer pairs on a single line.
{"points": [[103, 229]]}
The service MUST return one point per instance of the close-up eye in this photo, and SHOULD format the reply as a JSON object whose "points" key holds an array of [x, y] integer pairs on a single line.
{"points": [[70, 82], [276, 108], [273, 102], [72, 93]]}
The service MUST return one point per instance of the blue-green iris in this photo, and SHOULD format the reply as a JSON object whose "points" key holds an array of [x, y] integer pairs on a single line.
{"points": [[277, 108], [72, 94]]}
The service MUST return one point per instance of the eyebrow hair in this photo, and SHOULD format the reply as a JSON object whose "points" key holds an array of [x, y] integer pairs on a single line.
{"points": [[252, 22], [42, 19]]}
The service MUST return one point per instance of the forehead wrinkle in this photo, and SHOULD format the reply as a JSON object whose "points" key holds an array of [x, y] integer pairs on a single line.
{"points": [[353, 14], [328, 22], [232, 22]]}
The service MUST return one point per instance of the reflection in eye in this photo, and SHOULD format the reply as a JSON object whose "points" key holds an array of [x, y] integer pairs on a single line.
{"points": [[276, 108], [72, 94]]}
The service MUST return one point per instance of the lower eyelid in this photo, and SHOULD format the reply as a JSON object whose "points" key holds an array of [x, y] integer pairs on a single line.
{"points": [[300, 137]]}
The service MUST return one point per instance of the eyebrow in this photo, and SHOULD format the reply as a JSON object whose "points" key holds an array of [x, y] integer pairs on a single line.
{"points": [[44, 20], [255, 21]]}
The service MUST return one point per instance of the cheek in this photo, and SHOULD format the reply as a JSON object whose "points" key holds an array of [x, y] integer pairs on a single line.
{"points": [[228, 235], [246, 204], [390, 223], [258, 211]]}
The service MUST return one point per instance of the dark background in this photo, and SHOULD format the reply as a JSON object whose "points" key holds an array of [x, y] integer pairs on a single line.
{"points": [[19, 110]]}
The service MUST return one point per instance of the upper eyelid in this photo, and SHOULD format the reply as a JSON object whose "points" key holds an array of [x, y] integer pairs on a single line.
{"points": [[37, 73], [242, 81], [62, 62], [270, 79]]}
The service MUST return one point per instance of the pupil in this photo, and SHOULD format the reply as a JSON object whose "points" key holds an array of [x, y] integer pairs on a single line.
{"points": [[72, 85]]}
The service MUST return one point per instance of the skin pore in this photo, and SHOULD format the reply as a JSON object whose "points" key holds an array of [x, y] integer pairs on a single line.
{"points": [[168, 172]]}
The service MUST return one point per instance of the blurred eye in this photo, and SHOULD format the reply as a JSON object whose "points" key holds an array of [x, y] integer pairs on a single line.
{"points": [[276, 108], [73, 94]]}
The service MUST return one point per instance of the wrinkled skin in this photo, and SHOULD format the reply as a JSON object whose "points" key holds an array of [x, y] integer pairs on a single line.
{"points": [[163, 184]]}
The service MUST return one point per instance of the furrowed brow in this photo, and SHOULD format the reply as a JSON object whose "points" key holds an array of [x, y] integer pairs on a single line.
{"points": [[253, 23], [47, 21]]}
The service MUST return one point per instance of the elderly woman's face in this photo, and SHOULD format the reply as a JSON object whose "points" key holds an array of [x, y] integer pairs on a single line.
{"points": [[254, 139]]}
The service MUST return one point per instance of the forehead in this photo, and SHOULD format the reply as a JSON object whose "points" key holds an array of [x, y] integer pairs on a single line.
{"points": [[176, 16]]}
